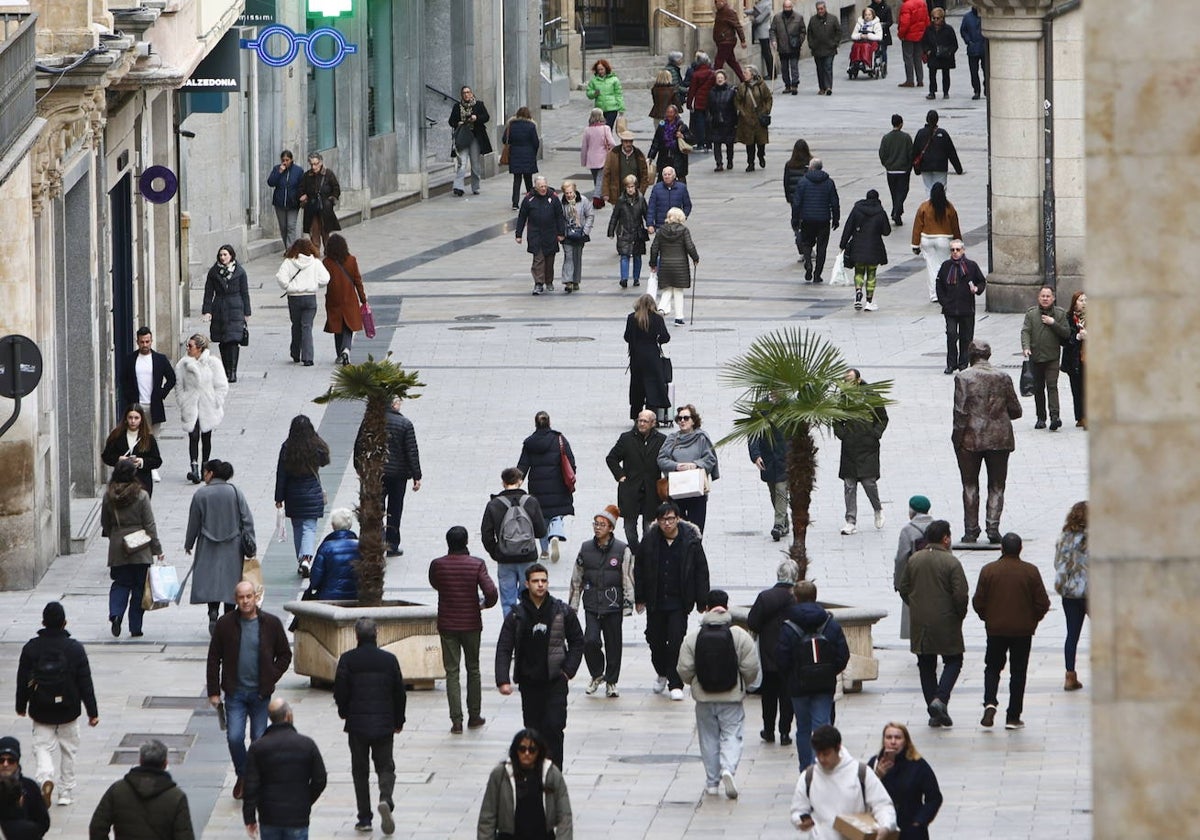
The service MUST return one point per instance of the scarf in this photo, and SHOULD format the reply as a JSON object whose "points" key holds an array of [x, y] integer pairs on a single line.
{"points": [[571, 210], [225, 272], [958, 270], [464, 111], [671, 133]]}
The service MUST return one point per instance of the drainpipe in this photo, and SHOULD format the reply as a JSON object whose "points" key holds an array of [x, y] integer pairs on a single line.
{"points": [[1049, 224]]}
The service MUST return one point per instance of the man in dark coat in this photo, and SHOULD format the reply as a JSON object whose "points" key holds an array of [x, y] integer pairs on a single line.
{"points": [[971, 30], [469, 147], [958, 283], [815, 211], [542, 212], [284, 181], [787, 34], [633, 462], [403, 464], [934, 153], [1043, 332], [862, 240], [285, 775], [511, 564], [985, 404], [766, 621], [146, 804], [147, 378], [860, 459], [769, 454], [369, 691], [33, 807], [824, 35]]}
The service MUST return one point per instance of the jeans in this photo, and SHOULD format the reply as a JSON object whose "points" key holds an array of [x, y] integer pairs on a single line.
{"points": [[725, 56], [542, 269], [898, 187], [280, 832], [1074, 610], [544, 708], [774, 697], [49, 739], [778, 491], [932, 687], [517, 176], [510, 579], [555, 527], [457, 646], [1045, 388], [394, 488], [960, 329], [931, 178], [824, 71], [572, 267], [814, 236], [240, 707], [665, 630], [343, 340], [304, 537], [719, 731], [128, 584], [471, 158], [850, 493], [997, 474], [935, 249], [636, 260], [1016, 649], [302, 309], [977, 64], [789, 67], [289, 225], [812, 710], [380, 750], [603, 660], [913, 68]]}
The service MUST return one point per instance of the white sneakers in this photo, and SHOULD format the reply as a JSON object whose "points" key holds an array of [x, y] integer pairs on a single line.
{"points": [[554, 549], [594, 685], [660, 685], [870, 306], [879, 520], [712, 790], [849, 528], [65, 798], [731, 790], [676, 693], [610, 690]]}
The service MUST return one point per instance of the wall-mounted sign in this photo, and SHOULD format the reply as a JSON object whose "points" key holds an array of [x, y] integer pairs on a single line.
{"points": [[330, 8], [257, 13], [219, 70], [295, 41]]}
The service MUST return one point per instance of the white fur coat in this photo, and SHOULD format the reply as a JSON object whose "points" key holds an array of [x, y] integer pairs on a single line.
{"points": [[200, 389]]}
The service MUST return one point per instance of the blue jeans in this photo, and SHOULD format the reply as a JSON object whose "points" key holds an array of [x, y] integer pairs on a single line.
{"points": [[128, 582], [304, 537], [636, 259], [812, 710], [278, 832], [510, 577], [554, 528], [238, 707]]}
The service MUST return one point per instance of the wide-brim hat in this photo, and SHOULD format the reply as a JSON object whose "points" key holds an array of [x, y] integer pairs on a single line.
{"points": [[626, 135]]}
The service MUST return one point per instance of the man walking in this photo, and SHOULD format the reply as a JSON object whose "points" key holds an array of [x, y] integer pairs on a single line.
{"points": [[896, 155], [959, 282], [787, 35], [247, 655], [54, 685], [971, 30], [667, 193], [33, 807], [838, 784], [815, 211], [765, 620], [934, 153], [985, 404], [543, 636], [935, 588], [403, 464], [603, 581], [285, 775], [512, 524], [1010, 599], [912, 539], [727, 31], [145, 803], [914, 20], [147, 378], [769, 454], [369, 691], [633, 462], [860, 459], [542, 212], [824, 35], [719, 660], [1042, 335], [284, 181], [464, 590], [471, 142], [670, 577]]}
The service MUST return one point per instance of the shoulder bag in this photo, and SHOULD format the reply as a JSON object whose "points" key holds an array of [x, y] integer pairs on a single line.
{"points": [[568, 472]]}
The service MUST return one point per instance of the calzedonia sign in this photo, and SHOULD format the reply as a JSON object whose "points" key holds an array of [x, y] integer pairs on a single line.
{"points": [[219, 70]]}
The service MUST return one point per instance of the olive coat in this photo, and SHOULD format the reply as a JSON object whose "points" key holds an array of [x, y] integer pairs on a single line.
{"points": [[753, 99], [669, 254]]}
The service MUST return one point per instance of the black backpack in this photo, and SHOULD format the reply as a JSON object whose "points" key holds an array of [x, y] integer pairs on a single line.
{"points": [[814, 670], [50, 685], [716, 658]]}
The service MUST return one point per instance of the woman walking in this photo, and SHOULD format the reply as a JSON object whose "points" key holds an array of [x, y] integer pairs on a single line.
{"points": [[200, 389], [526, 796], [662, 94], [645, 333], [319, 194], [862, 240], [795, 168], [227, 306], [938, 47], [1074, 354], [628, 225], [604, 89], [578, 218], [1071, 582], [909, 781], [344, 297], [690, 448], [598, 140], [127, 519], [701, 83], [754, 102], [219, 525], [298, 487], [542, 454], [603, 581], [521, 135], [669, 253], [665, 148], [301, 276], [934, 226], [722, 120], [131, 442]]}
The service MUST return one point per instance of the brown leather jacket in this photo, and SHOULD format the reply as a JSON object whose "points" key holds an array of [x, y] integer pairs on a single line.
{"points": [[727, 27], [985, 404]]}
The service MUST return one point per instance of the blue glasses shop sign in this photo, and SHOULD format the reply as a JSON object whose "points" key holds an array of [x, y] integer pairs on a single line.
{"points": [[293, 42]]}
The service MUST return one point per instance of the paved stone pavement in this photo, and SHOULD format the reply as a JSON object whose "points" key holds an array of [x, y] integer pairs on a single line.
{"points": [[451, 291]]}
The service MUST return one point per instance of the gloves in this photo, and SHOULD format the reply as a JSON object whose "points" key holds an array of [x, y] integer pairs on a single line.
{"points": [[835, 225], [916, 250]]}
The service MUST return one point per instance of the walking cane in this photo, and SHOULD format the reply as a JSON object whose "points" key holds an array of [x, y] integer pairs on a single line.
{"points": [[693, 318]]}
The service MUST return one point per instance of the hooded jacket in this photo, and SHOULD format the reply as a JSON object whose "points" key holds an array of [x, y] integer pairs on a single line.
{"points": [[862, 235], [860, 445], [302, 275], [747, 654], [145, 805], [815, 199], [541, 462], [694, 573], [809, 616], [493, 516], [81, 694], [332, 577], [497, 812], [935, 148], [125, 509], [200, 389], [914, 20], [670, 251], [831, 794]]}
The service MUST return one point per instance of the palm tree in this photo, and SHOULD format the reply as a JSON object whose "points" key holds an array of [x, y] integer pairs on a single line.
{"points": [[376, 384], [793, 383]]}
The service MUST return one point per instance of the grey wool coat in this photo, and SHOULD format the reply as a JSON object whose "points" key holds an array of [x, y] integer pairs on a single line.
{"points": [[218, 515]]}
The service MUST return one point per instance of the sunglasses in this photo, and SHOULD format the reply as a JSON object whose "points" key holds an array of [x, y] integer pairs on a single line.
{"points": [[8, 759], [679, 418], [527, 748], [952, 250]]}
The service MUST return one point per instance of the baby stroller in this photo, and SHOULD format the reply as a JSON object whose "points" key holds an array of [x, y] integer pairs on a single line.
{"points": [[865, 57]]}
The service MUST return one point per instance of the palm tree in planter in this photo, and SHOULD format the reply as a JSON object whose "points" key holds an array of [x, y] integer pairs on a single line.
{"points": [[376, 384], [793, 386]]}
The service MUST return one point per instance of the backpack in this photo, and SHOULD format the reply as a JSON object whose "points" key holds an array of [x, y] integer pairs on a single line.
{"points": [[50, 684], [813, 667], [515, 536], [716, 658], [862, 782]]}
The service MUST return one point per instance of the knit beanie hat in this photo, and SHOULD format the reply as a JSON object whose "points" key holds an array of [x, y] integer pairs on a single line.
{"points": [[611, 512], [919, 503]]}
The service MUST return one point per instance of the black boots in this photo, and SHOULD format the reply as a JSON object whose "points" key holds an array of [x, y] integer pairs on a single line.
{"points": [[194, 473]]}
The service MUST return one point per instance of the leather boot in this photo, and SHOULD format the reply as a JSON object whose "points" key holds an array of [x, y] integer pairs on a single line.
{"points": [[1072, 682], [194, 474]]}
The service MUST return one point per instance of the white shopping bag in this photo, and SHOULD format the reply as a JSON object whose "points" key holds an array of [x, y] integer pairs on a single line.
{"points": [[164, 582], [280, 526], [652, 285], [842, 276], [686, 484]]}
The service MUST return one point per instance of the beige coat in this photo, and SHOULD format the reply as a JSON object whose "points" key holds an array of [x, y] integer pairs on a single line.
{"points": [[747, 653]]}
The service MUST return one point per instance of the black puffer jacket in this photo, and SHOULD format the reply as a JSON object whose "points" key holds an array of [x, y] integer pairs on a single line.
{"points": [[284, 776], [80, 692], [227, 300], [543, 469], [815, 199], [860, 445], [695, 568], [722, 114], [369, 691], [302, 495], [669, 254], [766, 619], [145, 805], [862, 236], [403, 458]]}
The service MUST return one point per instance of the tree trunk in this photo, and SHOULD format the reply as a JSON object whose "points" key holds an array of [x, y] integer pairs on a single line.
{"points": [[801, 479], [369, 460]]}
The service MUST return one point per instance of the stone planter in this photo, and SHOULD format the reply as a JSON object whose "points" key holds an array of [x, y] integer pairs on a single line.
{"points": [[856, 623], [325, 630]]}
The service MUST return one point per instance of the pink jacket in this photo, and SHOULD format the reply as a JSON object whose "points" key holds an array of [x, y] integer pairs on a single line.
{"points": [[598, 141]]}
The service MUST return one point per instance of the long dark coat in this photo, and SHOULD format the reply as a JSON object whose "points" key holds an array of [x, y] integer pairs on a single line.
{"points": [[862, 235], [227, 300], [722, 114], [944, 38], [343, 296], [860, 446], [521, 135], [540, 462], [669, 253], [628, 224], [664, 155], [322, 189], [543, 215], [478, 128], [647, 381]]}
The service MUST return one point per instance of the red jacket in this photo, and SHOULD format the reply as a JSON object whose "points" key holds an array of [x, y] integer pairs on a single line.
{"points": [[914, 20], [703, 78], [459, 578]]}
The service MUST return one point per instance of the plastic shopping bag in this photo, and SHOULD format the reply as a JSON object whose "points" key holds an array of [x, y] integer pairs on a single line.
{"points": [[280, 526], [652, 285], [841, 274]]}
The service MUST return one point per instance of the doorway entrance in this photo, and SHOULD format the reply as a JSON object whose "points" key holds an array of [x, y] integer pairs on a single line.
{"points": [[614, 23]]}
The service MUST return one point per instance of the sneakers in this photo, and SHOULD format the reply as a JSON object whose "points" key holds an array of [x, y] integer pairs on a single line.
{"points": [[610, 690], [660, 685], [304, 566], [47, 792], [385, 818], [543, 557], [538, 288], [554, 549], [776, 533], [676, 693], [858, 299], [849, 528], [594, 685], [363, 827], [1011, 723], [712, 790], [344, 358], [679, 322], [937, 709], [879, 520], [731, 791], [870, 306], [65, 797], [989, 716]]}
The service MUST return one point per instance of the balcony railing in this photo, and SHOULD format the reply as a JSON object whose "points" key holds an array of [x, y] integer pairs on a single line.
{"points": [[17, 57]]}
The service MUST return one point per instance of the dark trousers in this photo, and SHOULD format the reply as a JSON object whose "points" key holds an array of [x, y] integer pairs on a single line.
{"points": [[302, 309], [199, 443], [393, 496], [759, 149], [977, 64], [517, 177], [1075, 611], [699, 124], [814, 235], [128, 584], [645, 511], [898, 187], [997, 474], [610, 119], [1076, 377], [774, 696], [1016, 650], [913, 67], [768, 60], [728, 161], [343, 340], [380, 750], [1045, 388], [694, 510], [725, 56], [603, 659], [933, 74], [824, 71], [665, 630], [544, 708], [230, 351], [960, 329], [789, 68], [931, 686]]}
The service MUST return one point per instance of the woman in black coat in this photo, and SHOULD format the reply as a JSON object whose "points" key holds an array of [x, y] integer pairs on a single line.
{"points": [[939, 46], [521, 135], [645, 333], [909, 780], [298, 488], [319, 194], [541, 462], [862, 240], [227, 306], [664, 148], [722, 120], [131, 441], [628, 225]]}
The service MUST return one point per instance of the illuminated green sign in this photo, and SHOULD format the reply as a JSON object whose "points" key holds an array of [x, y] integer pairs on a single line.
{"points": [[330, 8]]}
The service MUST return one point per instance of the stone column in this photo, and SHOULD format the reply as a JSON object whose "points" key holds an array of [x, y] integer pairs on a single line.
{"points": [[1014, 29], [1141, 163]]}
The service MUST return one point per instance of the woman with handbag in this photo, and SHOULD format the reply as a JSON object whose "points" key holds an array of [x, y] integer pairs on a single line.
{"points": [[939, 46], [687, 450], [579, 217], [549, 464], [672, 145], [128, 521], [598, 140], [298, 486], [628, 225], [300, 276], [227, 307], [344, 297], [200, 389], [319, 194], [645, 333], [521, 137], [221, 530], [754, 101], [132, 442]]}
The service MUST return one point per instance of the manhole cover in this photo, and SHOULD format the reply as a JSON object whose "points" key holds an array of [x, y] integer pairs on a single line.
{"points": [[196, 704], [564, 339], [477, 318], [713, 329], [656, 759], [465, 329], [173, 741]]}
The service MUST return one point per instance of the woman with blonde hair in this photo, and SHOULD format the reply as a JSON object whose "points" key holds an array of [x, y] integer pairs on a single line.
{"points": [[628, 225], [598, 140], [909, 780], [579, 217], [669, 253], [1071, 582], [200, 389], [662, 94], [645, 333]]}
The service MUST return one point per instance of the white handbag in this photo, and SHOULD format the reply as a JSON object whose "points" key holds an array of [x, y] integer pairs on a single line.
{"points": [[687, 484]]}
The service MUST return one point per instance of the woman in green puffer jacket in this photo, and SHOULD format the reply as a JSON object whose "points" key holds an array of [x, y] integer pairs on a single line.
{"points": [[605, 89]]}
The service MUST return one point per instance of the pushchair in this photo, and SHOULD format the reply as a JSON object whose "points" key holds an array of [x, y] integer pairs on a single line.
{"points": [[865, 57]]}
